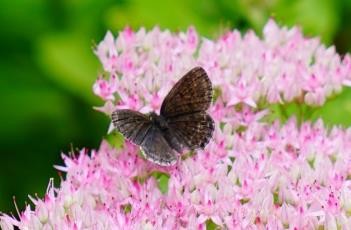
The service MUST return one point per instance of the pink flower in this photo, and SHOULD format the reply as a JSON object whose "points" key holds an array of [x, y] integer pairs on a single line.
{"points": [[242, 94], [105, 89], [108, 53]]}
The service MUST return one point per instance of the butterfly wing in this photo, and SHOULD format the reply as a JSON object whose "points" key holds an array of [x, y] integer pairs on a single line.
{"points": [[185, 107], [156, 148], [193, 130], [133, 125], [192, 93]]}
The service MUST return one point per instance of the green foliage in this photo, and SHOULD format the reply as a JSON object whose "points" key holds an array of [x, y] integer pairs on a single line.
{"points": [[127, 208], [337, 110], [210, 225], [115, 139], [61, 58], [162, 179], [47, 69]]}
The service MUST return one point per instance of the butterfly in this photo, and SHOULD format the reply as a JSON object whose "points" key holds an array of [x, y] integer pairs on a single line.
{"points": [[182, 124]]}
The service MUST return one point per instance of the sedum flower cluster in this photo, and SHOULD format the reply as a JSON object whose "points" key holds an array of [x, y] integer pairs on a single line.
{"points": [[254, 174]]}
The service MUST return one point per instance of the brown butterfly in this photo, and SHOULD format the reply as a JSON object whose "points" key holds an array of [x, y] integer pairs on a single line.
{"points": [[182, 124]]}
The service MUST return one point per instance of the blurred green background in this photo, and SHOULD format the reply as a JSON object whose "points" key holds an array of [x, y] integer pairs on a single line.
{"points": [[47, 68]]}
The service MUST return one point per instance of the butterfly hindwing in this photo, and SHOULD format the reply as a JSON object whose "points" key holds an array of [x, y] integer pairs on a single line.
{"points": [[156, 149], [192, 93], [133, 125], [138, 128]]}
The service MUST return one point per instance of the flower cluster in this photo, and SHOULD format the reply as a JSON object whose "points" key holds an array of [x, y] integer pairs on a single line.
{"points": [[267, 176], [253, 174], [282, 67]]}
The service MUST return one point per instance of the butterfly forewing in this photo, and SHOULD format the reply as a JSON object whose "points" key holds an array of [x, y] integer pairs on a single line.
{"points": [[133, 125], [192, 93], [185, 110]]}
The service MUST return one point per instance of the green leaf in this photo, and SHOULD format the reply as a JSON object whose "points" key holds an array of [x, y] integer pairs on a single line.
{"points": [[336, 110], [210, 225], [162, 179], [115, 139], [244, 200]]}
